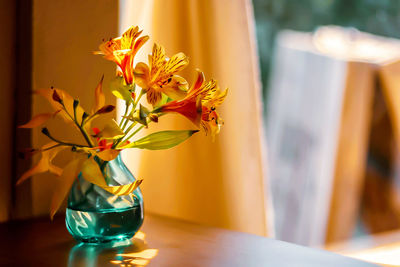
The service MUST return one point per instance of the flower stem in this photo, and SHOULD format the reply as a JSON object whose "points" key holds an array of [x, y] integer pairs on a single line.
{"points": [[86, 136], [81, 129], [135, 132], [124, 119], [61, 142], [51, 147]]}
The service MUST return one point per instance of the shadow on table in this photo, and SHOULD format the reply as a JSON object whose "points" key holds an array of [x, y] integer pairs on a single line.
{"points": [[132, 252]]}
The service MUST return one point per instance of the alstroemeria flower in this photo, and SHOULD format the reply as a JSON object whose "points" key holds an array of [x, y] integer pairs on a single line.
{"points": [[159, 76], [210, 120], [122, 51], [200, 104]]}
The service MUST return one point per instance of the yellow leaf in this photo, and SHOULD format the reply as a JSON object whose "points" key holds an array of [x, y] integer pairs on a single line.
{"points": [[108, 155], [55, 170], [44, 163], [67, 178], [121, 190], [38, 120], [68, 102], [100, 99], [92, 173], [111, 131]]}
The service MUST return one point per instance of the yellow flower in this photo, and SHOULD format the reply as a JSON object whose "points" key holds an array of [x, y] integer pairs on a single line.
{"points": [[122, 51], [210, 120], [159, 76]]}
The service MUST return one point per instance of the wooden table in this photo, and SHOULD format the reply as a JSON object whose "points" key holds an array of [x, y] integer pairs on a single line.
{"points": [[40, 242]]}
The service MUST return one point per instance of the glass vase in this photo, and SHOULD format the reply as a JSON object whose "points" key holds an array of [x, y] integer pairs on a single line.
{"points": [[96, 216]]}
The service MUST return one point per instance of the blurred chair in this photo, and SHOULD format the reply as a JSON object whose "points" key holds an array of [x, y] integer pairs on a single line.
{"points": [[321, 107]]}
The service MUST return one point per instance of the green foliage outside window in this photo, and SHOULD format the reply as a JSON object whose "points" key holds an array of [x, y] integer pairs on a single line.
{"points": [[381, 17]]}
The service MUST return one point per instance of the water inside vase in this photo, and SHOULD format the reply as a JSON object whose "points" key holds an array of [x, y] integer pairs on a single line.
{"points": [[104, 225]]}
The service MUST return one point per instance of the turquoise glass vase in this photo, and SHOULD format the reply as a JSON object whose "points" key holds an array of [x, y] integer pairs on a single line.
{"points": [[96, 216]]}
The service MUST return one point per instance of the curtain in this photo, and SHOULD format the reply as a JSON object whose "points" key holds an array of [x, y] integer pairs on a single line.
{"points": [[221, 183]]}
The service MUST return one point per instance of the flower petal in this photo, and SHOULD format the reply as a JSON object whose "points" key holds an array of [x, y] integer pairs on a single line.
{"points": [[141, 74], [38, 120], [176, 63], [68, 102], [92, 173], [108, 155], [129, 36], [176, 88], [107, 50], [199, 82], [216, 99], [212, 123], [65, 181], [110, 131], [139, 43], [153, 97], [157, 59], [191, 109], [44, 163], [99, 97]]}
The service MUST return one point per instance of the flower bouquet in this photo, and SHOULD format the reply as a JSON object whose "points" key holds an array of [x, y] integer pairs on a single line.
{"points": [[104, 199]]}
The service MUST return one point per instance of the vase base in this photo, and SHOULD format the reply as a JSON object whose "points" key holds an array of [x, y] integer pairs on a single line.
{"points": [[103, 239]]}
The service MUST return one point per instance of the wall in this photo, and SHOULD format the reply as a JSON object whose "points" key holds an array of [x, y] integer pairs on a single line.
{"points": [[7, 51], [65, 33]]}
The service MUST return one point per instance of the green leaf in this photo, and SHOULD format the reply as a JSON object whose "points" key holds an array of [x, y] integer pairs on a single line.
{"points": [[161, 140], [121, 90]]}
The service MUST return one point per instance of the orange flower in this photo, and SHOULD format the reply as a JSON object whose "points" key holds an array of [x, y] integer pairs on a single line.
{"points": [[122, 51], [159, 76], [200, 104]]}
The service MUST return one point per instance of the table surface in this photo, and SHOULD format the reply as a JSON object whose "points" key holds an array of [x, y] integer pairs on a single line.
{"points": [[167, 242]]}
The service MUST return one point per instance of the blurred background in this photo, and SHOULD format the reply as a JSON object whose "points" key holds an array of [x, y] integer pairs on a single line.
{"points": [[309, 152]]}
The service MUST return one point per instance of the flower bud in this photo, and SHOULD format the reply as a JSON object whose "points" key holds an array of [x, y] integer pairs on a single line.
{"points": [[106, 109], [76, 103], [56, 97], [45, 131], [84, 116], [153, 117]]}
